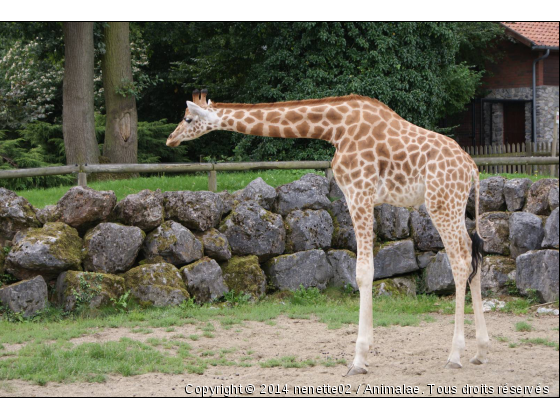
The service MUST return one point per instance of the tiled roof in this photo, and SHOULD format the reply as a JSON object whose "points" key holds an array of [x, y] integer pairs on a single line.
{"points": [[542, 34]]}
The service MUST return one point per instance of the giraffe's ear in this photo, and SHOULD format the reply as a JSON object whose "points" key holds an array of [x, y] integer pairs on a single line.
{"points": [[196, 110]]}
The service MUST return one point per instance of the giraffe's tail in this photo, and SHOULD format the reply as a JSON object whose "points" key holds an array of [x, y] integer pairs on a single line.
{"points": [[477, 242]]}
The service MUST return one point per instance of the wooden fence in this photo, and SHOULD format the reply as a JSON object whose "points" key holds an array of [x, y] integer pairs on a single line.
{"points": [[515, 150], [496, 160]]}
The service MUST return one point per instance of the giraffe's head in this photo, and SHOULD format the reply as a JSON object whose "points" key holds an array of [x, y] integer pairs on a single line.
{"points": [[200, 118]]}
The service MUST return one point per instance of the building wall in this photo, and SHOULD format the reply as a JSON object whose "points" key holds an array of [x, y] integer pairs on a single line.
{"points": [[547, 104], [513, 70]]}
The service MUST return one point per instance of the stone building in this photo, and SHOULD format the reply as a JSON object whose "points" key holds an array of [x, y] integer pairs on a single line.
{"points": [[528, 60]]}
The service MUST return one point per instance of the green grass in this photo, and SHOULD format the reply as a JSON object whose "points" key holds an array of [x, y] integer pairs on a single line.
{"points": [[48, 354], [231, 181], [523, 327], [541, 341]]}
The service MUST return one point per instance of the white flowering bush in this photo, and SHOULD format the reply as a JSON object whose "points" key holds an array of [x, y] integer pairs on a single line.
{"points": [[28, 84]]}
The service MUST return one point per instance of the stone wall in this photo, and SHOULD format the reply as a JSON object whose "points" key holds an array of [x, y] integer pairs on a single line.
{"points": [[167, 247]]}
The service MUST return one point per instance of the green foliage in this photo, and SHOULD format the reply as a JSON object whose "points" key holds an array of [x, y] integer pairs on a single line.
{"points": [[309, 296], [523, 326], [89, 286], [237, 298], [121, 304]]}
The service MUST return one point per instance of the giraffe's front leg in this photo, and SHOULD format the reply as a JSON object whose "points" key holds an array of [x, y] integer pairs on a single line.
{"points": [[364, 278]]}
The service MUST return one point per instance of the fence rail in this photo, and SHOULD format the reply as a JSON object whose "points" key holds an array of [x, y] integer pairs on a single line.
{"points": [[494, 161]]}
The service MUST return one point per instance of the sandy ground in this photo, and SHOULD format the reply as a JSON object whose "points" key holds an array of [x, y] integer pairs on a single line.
{"points": [[402, 357]]}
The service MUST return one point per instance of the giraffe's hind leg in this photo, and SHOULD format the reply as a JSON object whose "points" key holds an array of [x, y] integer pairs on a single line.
{"points": [[482, 339], [450, 223]]}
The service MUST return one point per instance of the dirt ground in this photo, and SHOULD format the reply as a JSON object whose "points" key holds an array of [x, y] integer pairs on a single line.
{"points": [[402, 357]]}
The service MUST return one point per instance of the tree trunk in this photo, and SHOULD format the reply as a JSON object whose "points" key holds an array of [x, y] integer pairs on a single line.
{"points": [[78, 123], [121, 127]]}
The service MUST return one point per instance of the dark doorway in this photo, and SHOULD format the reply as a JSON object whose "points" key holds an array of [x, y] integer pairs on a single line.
{"points": [[514, 122]]}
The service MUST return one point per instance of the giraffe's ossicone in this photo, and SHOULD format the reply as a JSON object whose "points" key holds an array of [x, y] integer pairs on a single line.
{"points": [[380, 158]]}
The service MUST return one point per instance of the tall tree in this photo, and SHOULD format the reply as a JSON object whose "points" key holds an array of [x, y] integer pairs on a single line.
{"points": [[121, 129], [78, 124]]}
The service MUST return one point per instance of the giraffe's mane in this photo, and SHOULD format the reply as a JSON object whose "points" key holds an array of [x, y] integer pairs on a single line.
{"points": [[305, 102]]}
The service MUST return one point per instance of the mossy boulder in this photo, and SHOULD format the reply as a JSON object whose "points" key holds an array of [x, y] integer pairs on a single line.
{"points": [[174, 243], [425, 235], [252, 230], [15, 214], [491, 196], [204, 280], [538, 271], [2, 261], [144, 210], [526, 233], [48, 214], [396, 286], [343, 236], [45, 251], [496, 272], [391, 258], [156, 284], [309, 192], [438, 276], [305, 268], [515, 193], [538, 196], [308, 229], [494, 230], [551, 231], [84, 207], [245, 275], [112, 248], [343, 264], [392, 222], [198, 210], [259, 191], [26, 297], [216, 244], [90, 289]]}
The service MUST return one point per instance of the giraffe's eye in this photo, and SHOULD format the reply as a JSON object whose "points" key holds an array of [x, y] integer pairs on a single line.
{"points": [[188, 120]]}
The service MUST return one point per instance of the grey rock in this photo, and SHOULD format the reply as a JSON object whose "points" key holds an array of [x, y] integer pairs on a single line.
{"points": [[424, 232], [392, 222], [15, 214], [45, 251], [199, 210], [334, 190], [494, 231], [48, 214], [491, 197], [306, 268], [157, 284], [26, 297], [308, 229], [83, 207], [394, 258], [470, 225], [204, 280], [553, 198], [99, 288], [174, 243], [515, 193], [424, 258], [343, 235], [551, 231], [112, 248], [439, 276], [252, 230], [215, 244], [306, 193], [537, 197], [319, 182], [525, 233], [144, 210], [396, 286], [259, 191], [496, 271], [538, 270], [343, 265], [227, 202]]}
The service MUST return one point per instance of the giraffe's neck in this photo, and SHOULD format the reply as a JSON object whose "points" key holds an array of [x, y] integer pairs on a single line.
{"points": [[305, 119]]}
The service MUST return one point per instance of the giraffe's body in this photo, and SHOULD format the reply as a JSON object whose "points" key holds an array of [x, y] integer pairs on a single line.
{"points": [[380, 158]]}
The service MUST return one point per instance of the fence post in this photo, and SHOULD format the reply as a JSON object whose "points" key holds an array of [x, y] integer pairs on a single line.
{"points": [[329, 174], [213, 181], [554, 143], [82, 177]]}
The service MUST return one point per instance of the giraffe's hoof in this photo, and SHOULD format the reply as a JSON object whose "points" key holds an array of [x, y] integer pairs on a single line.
{"points": [[355, 370], [478, 360], [453, 365]]}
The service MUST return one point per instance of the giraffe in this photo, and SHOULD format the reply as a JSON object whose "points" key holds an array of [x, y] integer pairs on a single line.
{"points": [[380, 158]]}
